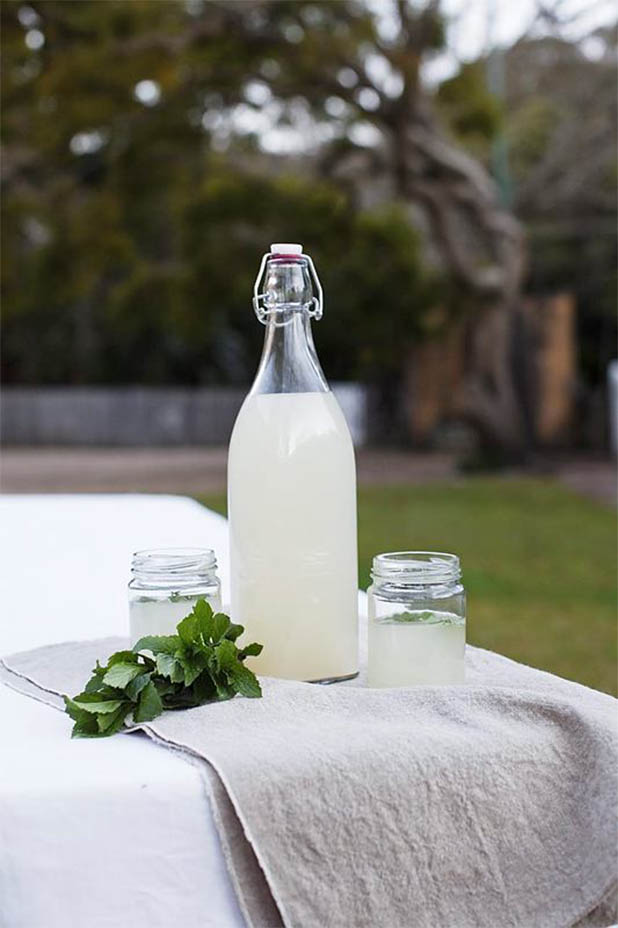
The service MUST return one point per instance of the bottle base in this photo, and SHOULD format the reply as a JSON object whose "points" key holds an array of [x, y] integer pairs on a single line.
{"points": [[326, 680]]}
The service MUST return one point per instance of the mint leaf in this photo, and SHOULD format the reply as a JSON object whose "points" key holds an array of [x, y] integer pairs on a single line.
{"points": [[170, 666], [187, 629], [134, 688], [166, 664], [178, 597], [85, 728], [203, 689], [204, 617], [224, 690], [113, 721], [95, 705], [149, 705], [121, 674], [200, 663], [220, 625], [77, 713], [193, 666], [245, 682], [94, 684], [226, 655], [251, 650], [158, 643], [125, 657]]}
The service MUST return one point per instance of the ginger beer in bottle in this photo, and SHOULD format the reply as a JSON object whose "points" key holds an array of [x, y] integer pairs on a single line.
{"points": [[292, 492]]}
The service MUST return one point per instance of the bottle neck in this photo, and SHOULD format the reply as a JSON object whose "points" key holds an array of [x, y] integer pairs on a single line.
{"points": [[289, 362]]}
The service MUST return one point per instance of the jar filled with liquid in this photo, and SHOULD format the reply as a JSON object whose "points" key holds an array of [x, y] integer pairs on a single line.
{"points": [[166, 584], [417, 619]]}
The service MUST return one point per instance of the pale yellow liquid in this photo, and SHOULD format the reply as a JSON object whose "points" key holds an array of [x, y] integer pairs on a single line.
{"points": [[405, 653], [292, 513], [161, 616]]}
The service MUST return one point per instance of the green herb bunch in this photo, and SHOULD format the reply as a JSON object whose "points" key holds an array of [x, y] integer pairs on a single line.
{"points": [[200, 663]]}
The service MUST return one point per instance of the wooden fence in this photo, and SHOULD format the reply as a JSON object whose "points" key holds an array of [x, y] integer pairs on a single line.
{"points": [[140, 415]]}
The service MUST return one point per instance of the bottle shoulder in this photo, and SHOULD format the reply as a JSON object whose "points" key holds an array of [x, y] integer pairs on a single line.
{"points": [[266, 415]]}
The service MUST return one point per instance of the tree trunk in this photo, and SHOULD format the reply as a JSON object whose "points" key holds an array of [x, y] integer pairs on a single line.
{"points": [[432, 371], [483, 247], [487, 396]]}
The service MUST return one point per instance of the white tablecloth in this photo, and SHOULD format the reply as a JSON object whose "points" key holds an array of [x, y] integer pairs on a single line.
{"points": [[101, 834], [104, 834]]}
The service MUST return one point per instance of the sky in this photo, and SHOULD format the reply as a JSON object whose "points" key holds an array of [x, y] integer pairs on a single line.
{"points": [[473, 27]]}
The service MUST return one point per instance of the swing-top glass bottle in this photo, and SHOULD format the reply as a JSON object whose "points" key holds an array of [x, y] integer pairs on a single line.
{"points": [[292, 491]]}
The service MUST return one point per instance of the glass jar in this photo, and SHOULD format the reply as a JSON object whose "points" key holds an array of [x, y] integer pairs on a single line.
{"points": [[166, 584], [417, 619]]}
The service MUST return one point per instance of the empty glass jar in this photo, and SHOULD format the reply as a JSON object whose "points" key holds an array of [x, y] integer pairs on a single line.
{"points": [[166, 584], [417, 619]]}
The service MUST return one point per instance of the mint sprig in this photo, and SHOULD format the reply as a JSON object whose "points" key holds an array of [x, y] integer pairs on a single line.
{"points": [[200, 663]]}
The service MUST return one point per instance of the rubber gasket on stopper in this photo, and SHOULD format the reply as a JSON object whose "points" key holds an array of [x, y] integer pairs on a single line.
{"points": [[285, 249]]}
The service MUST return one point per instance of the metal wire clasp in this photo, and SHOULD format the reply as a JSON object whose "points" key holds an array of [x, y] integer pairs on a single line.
{"points": [[315, 307]]}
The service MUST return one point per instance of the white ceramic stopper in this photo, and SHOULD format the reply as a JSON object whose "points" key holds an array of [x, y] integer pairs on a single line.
{"points": [[285, 248]]}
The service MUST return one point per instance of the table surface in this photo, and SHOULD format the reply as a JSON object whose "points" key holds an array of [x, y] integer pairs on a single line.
{"points": [[104, 834]]}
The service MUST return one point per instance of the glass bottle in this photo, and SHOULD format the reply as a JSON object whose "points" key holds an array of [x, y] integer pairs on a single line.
{"points": [[417, 619], [292, 492], [166, 584]]}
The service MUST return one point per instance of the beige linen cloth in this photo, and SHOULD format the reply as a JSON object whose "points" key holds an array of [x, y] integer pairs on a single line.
{"points": [[488, 805]]}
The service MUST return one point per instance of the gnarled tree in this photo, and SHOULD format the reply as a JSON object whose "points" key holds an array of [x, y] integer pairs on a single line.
{"points": [[354, 76], [374, 67]]}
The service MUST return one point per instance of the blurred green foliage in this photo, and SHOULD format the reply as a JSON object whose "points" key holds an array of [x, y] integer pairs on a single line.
{"points": [[130, 247], [130, 234], [474, 114], [360, 256], [106, 306]]}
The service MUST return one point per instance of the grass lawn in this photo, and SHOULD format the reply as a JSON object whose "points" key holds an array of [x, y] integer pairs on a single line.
{"points": [[539, 565]]}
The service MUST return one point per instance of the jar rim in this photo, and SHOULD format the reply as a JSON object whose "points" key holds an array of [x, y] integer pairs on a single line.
{"points": [[416, 567], [175, 561]]}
